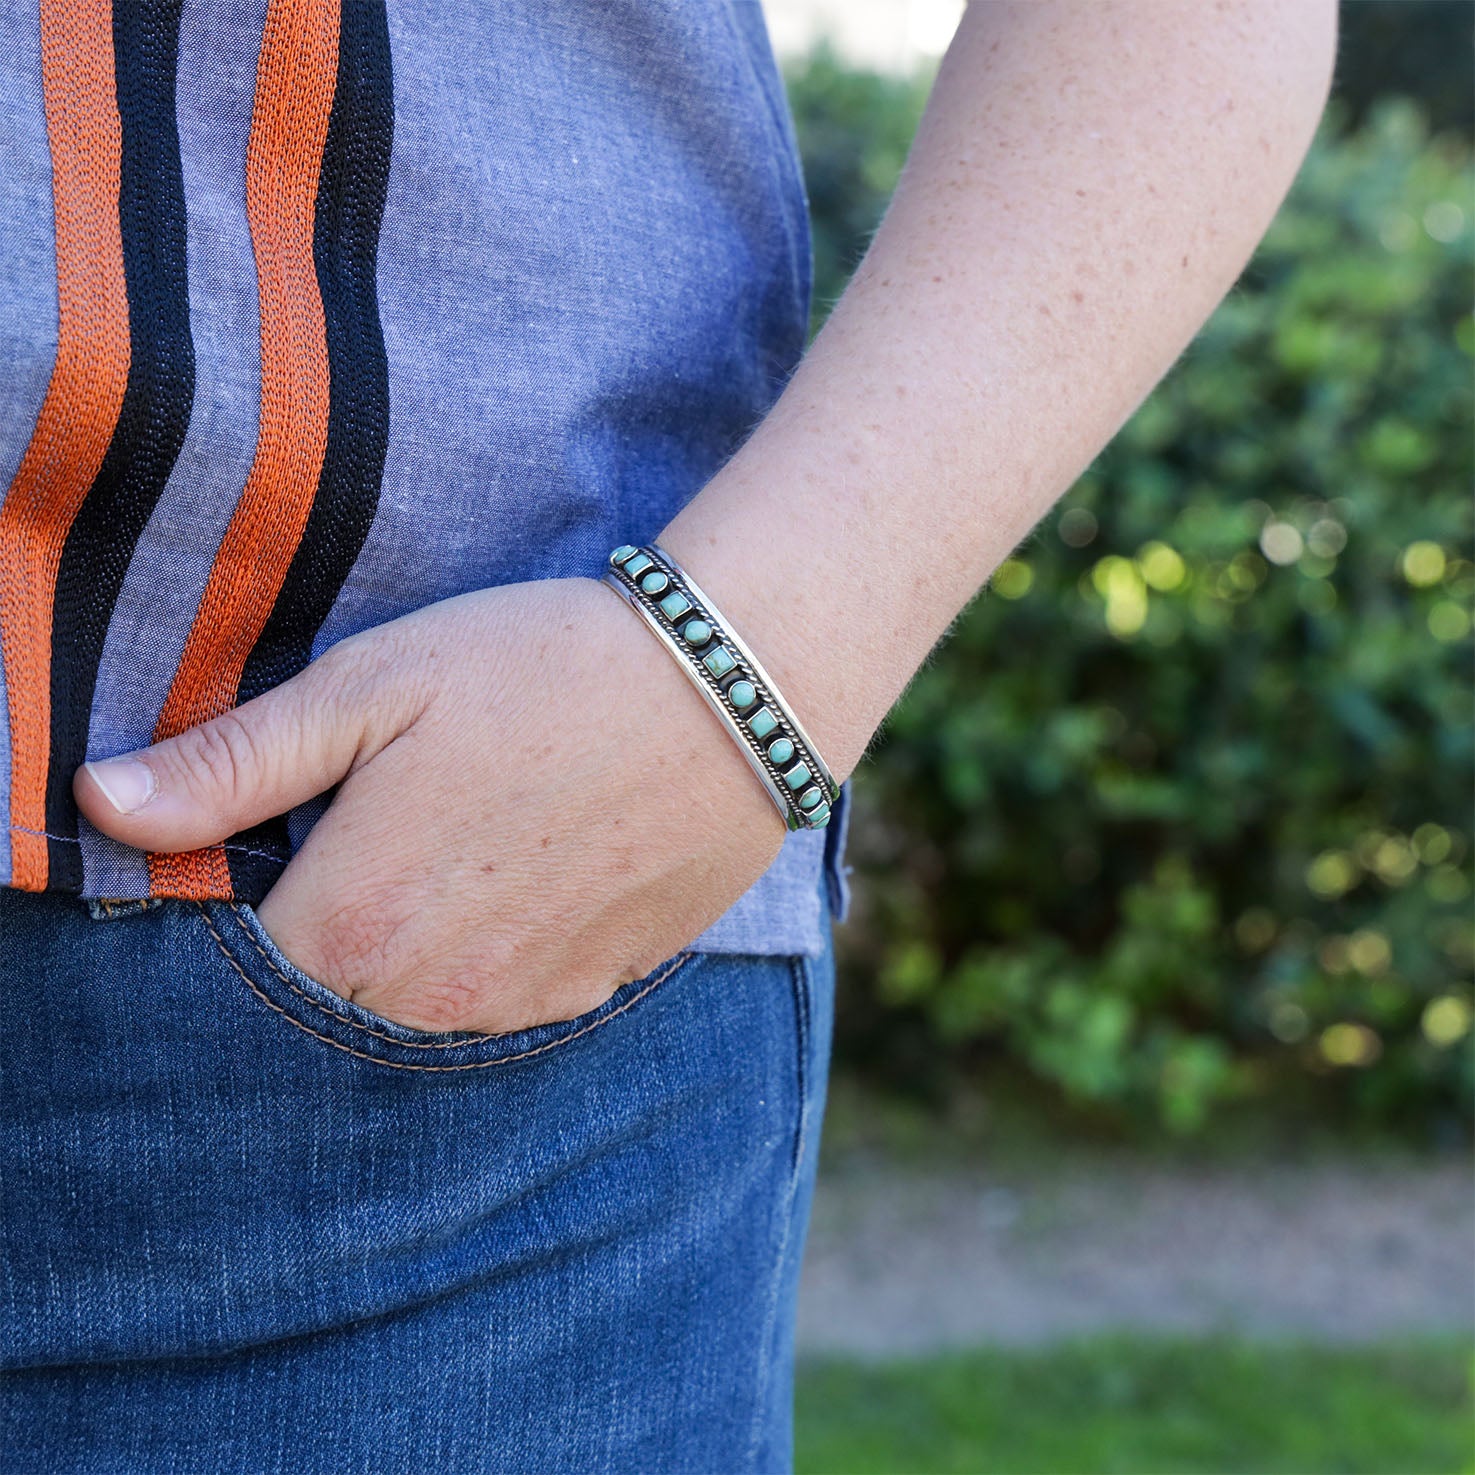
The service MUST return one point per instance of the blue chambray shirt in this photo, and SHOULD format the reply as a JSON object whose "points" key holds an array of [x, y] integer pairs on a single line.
{"points": [[305, 326]]}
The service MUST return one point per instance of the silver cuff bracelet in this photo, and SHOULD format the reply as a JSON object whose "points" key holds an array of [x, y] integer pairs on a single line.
{"points": [[728, 675]]}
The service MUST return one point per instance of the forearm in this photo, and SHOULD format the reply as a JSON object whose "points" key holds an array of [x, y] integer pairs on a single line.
{"points": [[1087, 183]]}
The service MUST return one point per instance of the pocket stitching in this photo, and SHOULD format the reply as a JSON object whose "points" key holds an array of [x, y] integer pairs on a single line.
{"points": [[250, 983], [333, 1014]]}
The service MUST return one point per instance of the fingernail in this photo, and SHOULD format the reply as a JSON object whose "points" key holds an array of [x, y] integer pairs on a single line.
{"points": [[127, 783]]}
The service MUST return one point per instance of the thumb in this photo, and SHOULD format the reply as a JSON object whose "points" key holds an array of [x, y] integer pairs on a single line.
{"points": [[254, 762]]}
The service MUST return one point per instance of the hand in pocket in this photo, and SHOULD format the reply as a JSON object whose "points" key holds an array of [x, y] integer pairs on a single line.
{"points": [[535, 807]]}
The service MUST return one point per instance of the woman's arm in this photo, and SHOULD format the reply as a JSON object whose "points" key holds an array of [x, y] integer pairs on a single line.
{"points": [[504, 848], [1088, 181]]}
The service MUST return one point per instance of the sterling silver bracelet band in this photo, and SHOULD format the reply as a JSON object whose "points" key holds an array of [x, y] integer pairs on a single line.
{"points": [[729, 676]]}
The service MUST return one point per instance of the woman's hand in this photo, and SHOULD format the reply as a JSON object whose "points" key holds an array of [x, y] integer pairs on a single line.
{"points": [[537, 806]]}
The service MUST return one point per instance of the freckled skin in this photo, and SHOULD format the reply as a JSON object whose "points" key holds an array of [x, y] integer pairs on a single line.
{"points": [[1088, 181]]}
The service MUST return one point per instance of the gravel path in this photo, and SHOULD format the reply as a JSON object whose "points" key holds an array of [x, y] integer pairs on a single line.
{"points": [[904, 1261]]}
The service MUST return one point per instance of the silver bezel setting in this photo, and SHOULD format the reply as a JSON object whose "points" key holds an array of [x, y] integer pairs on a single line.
{"points": [[714, 689]]}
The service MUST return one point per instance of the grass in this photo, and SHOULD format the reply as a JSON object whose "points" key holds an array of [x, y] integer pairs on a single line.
{"points": [[1135, 1406]]}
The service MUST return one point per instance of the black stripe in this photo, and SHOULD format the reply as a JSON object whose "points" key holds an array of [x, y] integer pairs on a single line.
{"points": [[350, 208], [156, 403]]}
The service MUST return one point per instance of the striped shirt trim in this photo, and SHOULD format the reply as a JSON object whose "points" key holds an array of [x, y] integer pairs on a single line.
{"points": [[154, 414], [80, 412]]}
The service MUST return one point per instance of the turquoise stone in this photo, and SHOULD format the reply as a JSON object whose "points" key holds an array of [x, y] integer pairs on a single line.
{"points": [[624, 551], [742, 694], [781, 750], [719, 663], [654, 582], [809, 798], [819, 818], [637, 565], [762, 722], [697, 633], [797, 776], [675, 604]]}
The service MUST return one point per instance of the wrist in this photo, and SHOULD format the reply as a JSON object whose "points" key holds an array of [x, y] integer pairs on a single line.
{"points": [[729, 676], [788, 550], [758, 594]]}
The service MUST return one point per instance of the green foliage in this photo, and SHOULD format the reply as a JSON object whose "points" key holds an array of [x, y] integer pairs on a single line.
{"points": [[1137, 1407], [1180, 812], [854, 129], [1418, 47]]}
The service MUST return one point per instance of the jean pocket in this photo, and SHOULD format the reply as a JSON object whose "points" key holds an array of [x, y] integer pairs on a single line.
{"points": [[244, 947]]}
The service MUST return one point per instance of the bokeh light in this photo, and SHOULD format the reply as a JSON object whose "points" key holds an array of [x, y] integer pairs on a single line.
{"points": [[1446, 1021], [1012, 579], [1281, 542], [1423, 564], [1348, 1044]]}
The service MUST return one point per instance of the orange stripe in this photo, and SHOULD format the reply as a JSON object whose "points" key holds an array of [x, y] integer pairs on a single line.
{"points": [[295, 79], [82, 401]]}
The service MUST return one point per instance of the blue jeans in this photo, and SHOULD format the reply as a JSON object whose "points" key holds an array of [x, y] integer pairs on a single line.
{"points": [[247, 1227]]}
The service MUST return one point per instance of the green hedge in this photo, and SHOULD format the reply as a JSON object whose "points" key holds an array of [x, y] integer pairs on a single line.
{"points": [[1180, 812]]}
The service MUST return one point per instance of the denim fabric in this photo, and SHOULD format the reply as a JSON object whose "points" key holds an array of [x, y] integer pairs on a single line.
{"points": [[247, 1228], [592, 279]]}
